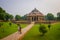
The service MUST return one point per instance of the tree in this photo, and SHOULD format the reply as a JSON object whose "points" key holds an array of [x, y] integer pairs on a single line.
{"points": [[55, 18], [11, 17], [17, 17], [58, 16], [4, 15], [24, 17], [42, 29], [2, 11], [7, 17], [50, 16]]}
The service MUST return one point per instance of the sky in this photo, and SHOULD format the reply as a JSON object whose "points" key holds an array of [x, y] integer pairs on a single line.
{"points": [[22, 7]]}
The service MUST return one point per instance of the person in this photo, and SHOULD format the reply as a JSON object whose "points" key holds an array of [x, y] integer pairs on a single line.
{"points": [[19, 28]]}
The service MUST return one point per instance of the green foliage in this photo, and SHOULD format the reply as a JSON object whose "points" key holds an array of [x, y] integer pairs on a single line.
{"points": [[6, 29], [2, 11], [50, 16], [10, 24], [7, 16], [52, 34], [4, 15], [58, 16], [17, 17], [42, 29], [24, 17], [11, 17], [49, 26]]}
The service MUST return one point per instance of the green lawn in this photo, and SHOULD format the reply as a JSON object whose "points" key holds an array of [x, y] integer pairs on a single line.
{"points": [[52, 34], [9, 29], [23, 25]]}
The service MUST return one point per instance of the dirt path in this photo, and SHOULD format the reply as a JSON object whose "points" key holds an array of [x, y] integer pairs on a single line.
{"points": [[17, 35]]}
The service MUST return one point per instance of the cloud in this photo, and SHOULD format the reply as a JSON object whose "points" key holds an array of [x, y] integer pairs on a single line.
{"points": [[23, 7]]}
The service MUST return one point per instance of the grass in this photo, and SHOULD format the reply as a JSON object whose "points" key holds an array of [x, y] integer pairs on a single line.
{"points": [[9, 29], [52, 34], [23, 25]]}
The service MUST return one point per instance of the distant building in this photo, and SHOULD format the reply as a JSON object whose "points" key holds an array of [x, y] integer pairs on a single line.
{"points": [[35, 15]]}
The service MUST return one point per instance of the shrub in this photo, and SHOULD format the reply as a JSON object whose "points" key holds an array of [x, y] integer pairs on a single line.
{"points": [[10, 24], [49, 26], [42, 29]]}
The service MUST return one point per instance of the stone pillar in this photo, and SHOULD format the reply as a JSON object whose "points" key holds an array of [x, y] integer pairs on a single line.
{"points": [[30, 18], [38, 18]]}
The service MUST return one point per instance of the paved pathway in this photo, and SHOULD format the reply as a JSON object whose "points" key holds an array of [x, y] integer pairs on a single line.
{"points": [[17, 35]]}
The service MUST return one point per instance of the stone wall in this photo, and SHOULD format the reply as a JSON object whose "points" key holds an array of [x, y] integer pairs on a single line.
{"points": [[28, 22]]}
